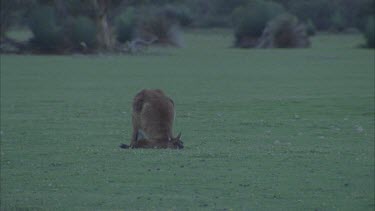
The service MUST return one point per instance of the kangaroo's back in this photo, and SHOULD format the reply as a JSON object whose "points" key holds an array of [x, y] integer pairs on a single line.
{"points": [[153, 113]]}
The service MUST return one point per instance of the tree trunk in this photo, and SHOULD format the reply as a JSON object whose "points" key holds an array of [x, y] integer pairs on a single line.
{"points": [[105, 35]]}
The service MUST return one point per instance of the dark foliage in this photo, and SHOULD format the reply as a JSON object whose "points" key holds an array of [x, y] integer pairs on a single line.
{"points": [[285, 31], [125, 25], [83, 32], [48, 34], [160, 26], [369, 32], [250, 21]]}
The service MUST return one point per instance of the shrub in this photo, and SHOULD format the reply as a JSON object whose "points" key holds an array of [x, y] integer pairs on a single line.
{"points": [[369, 32], [225, 7], [212, 21], [360, 12], [337, 22], [179, 13], [48, 36], [83, 31], [285, 31], [157, 26], [325, 14], [310, 28], [215, 13], [12, 13], [319, 11], [250, 21], [125, 25]]}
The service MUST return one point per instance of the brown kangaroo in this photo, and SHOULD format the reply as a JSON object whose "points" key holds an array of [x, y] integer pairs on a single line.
{"points": [[152, 117]]}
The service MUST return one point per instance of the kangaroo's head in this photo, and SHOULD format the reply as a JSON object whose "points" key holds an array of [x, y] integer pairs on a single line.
{"points": [[176, 143]]}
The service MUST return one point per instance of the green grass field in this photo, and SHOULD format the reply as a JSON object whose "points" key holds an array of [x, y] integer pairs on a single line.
{"points": [[263, 129]]}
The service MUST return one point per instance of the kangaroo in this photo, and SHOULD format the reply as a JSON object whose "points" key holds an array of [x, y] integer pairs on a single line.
{"points": [[152, 118]]}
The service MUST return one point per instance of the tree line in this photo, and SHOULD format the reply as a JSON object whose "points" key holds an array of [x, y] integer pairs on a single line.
{"points": [[89, 26]]}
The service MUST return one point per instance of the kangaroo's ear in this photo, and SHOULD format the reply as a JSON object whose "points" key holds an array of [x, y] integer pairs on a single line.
{"points": [[178, 136]]}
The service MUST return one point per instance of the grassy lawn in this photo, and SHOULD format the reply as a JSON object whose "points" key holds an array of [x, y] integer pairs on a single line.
{"points": [[263, 129]]}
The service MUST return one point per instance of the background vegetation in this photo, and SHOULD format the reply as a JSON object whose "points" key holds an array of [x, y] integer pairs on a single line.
{"points": [[106, 25]]}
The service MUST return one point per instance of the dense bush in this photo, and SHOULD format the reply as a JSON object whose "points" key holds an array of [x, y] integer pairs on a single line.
{"points": [[319, 11], [285, 31], [159, 27], [48, 35], [370, 32], [214, 13], [13, 13], [337, 23], [325, 14], [310, 28], [83, 32], [181, 14], [52, 35], [212, 21], [125, 25], [225, 7], [336, 14], [355, 13], [250, 21]]}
